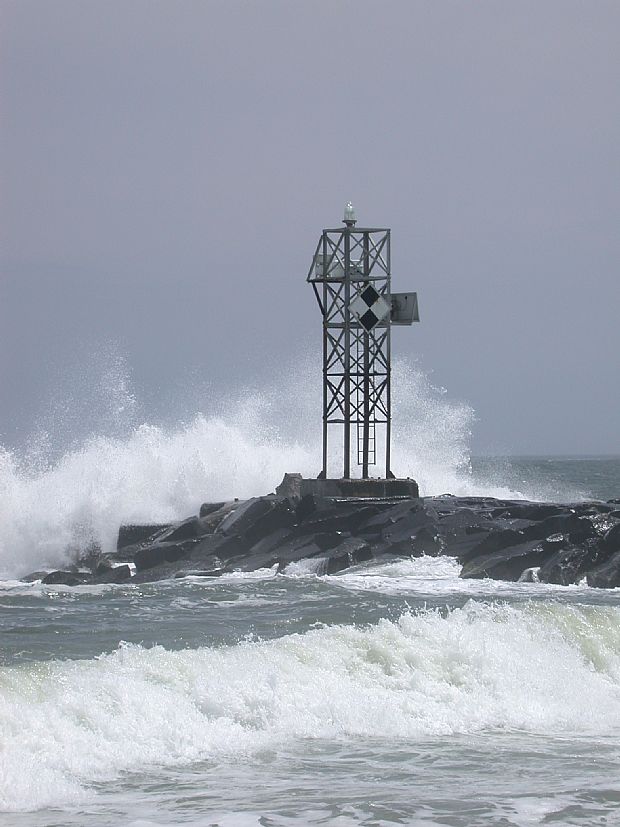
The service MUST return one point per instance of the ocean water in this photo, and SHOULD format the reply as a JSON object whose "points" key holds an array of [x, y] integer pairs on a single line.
{"points": [[392, 693]]}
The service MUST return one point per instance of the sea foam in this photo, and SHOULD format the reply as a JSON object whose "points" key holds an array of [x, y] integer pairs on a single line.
{"points": [[541, 669]]}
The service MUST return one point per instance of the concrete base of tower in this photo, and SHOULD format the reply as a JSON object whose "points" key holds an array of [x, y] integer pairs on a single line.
{"points": [[294, 485]]}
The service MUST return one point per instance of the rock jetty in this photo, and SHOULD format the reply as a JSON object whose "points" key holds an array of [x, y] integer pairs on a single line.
{"points": [[500, 539]]}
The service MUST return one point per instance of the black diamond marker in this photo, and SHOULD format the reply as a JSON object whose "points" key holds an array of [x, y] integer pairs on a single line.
{"points": [[369, 320], [370, 295]]}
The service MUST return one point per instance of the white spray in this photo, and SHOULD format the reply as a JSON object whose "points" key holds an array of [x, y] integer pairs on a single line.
{"points": [[53, 503]]}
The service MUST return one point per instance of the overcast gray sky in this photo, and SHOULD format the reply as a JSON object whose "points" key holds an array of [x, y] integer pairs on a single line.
{"points": [[166, 168]]}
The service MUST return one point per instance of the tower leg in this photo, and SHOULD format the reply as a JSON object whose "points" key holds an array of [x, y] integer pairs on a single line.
{"points": [[366, 411], [323, 474]]}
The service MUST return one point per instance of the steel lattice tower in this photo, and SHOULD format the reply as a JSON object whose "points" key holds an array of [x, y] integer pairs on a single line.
{"points": [[350, 275]]}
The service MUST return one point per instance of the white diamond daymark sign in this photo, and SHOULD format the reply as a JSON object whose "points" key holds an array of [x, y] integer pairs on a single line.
{"points": [[370, 307]]}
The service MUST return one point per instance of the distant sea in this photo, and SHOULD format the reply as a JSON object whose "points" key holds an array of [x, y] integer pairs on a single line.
{"points": [[392, 693], [553, 477]]}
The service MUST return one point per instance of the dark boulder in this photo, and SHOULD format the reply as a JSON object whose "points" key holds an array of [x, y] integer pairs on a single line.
{"points": [[245, 516], [290, 551], [210, 508], [34, 576], [491, 543], [508, 562], [290, 486], [457, 530], [188, 529], [416, 526], [114, 574], [408, 527], [606, 576], [171, 542], [66, 578], [338, 516], [164, 552], [131, 535], [258, 517], [610, 542], [327, 540], [293, 550], [315, 509], [569, 564], [426, 541], [399, 514], [350, 552], [577, 529], [461, 542], [281, 515], [459, 519], [307, 505], [210, 522], [528, 510], [276, 539], [224, 548]]}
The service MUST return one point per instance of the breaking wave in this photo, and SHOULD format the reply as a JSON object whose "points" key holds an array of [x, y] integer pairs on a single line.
{"points": [[53, 502], [545, 669]]}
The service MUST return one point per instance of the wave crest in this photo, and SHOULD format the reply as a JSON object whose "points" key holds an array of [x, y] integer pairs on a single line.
{"points": [[543, 669]]}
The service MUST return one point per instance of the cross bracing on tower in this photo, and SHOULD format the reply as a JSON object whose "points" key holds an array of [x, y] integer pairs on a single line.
{"points": [[351, 279]]}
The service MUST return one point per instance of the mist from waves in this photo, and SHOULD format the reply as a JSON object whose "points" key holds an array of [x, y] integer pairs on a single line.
{"points": [[96, 461], [545, 668]]}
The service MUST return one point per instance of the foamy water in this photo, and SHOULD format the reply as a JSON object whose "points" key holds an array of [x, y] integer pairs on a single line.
{"points": [[390, 693], [544, 669]]}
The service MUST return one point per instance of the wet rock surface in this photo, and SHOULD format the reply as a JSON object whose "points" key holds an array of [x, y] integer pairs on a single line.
{"points": [[500, 539]]}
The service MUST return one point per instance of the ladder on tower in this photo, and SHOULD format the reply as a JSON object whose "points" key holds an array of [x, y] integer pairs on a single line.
{"points": [[372, 449], [372, 444]]}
